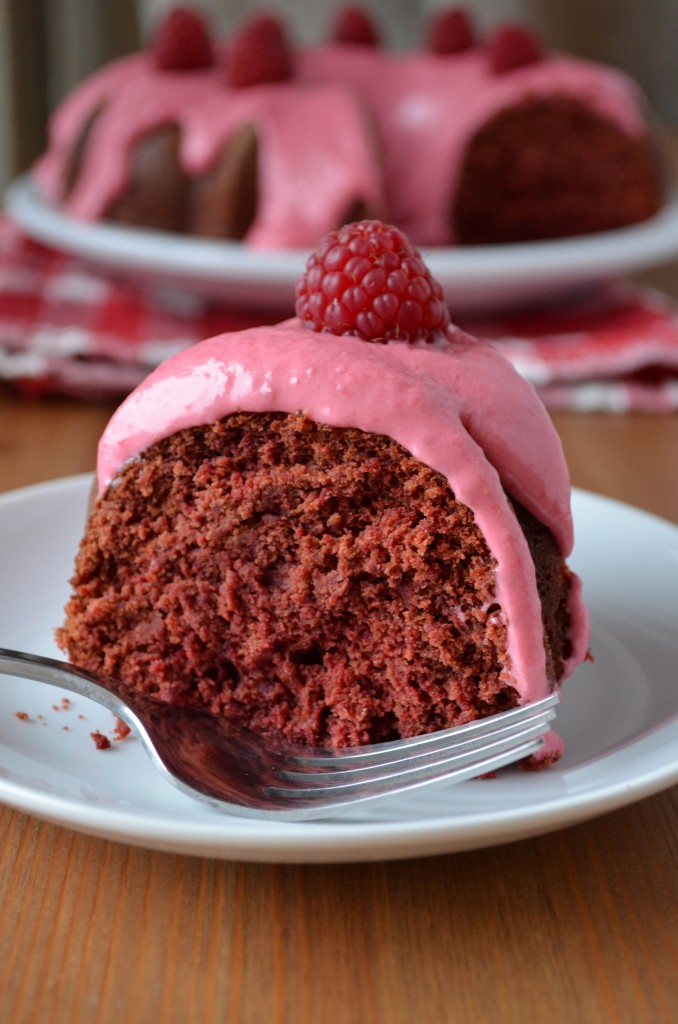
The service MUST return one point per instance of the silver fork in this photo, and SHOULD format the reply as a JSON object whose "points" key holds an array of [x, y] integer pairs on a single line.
{"points": [[230, 768]]}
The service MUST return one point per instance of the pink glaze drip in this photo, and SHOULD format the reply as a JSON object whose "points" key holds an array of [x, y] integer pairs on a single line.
{"points": [[552, 750], [314, 143], [457, 406], [316, 156]]}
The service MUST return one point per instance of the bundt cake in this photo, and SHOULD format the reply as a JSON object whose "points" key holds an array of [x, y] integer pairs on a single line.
{"points": [[346, 528], [467, 141]]}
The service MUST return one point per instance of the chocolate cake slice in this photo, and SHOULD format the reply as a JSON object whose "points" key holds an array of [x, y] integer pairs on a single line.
{"points": [[330, 540]]}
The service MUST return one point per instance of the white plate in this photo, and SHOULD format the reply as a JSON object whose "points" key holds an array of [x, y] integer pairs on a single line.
{"points": [[474, 278], [619, 716]]}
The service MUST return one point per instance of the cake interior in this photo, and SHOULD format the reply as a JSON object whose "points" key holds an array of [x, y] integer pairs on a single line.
{"points": [[310, 582], [552, 168]]}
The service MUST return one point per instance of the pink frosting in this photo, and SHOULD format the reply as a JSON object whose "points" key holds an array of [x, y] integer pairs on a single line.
{"points": [[316, 156], [457, 406], [428, 108]]}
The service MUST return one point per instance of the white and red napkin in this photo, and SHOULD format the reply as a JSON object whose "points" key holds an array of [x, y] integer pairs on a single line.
{"points": [[68, 328]]}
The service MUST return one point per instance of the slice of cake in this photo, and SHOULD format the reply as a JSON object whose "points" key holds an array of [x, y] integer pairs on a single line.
{"points": [[346, 528]]}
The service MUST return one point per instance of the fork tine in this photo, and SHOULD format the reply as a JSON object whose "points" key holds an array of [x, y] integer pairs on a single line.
{"points": [[308, 801], [444, 739], [237, 771], [330, 786], [464, 751]]}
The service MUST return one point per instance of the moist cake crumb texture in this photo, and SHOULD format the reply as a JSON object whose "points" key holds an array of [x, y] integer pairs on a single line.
{"points": [[307, 581]]}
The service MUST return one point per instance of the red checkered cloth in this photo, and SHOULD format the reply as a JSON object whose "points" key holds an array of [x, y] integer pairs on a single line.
{"points": [[615, 351], [68, 328]]}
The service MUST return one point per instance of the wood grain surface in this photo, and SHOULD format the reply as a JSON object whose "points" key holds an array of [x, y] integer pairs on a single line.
{"points": [[580, 925]]}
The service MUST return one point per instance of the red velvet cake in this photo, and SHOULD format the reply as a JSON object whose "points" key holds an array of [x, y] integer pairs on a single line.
{"points": [[346, 528], [467, 141]]}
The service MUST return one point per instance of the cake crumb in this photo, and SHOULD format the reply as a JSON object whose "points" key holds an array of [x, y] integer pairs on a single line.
{"points": [[101, 742], [122, 730], [23, 716]]}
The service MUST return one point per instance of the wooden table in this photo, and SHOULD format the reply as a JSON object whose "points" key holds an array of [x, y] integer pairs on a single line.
{"points": [[577, 926]]}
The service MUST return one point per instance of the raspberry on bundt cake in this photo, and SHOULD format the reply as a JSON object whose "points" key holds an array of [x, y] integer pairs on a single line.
{"points": [[472, 140], [346, 528]]}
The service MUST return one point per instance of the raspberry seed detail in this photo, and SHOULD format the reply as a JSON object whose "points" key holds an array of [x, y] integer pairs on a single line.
{"points": [[367, 280]]}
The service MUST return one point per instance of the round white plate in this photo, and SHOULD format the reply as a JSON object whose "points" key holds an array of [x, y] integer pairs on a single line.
{"points": [[619, 716], [474, 278]]}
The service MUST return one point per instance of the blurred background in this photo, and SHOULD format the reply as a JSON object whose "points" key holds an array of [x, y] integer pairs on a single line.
{"points": [[46, 46]]}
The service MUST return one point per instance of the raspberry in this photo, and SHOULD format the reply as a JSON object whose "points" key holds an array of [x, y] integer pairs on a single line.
{"points": [[353, 25], [450, 31], [366, 279], [259, 52], [181, 42], [512, 46]]}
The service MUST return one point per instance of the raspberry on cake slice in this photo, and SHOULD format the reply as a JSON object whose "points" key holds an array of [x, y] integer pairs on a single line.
{"points": [[366, 279]]}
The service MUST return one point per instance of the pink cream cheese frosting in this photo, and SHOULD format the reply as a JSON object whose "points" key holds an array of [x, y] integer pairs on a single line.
{"points": [[428, 108], [316, 155], [456, 406], [320, 134]]}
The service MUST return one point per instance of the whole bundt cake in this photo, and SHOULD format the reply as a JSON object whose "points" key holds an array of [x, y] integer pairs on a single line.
{"points": [[470, 140]]}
